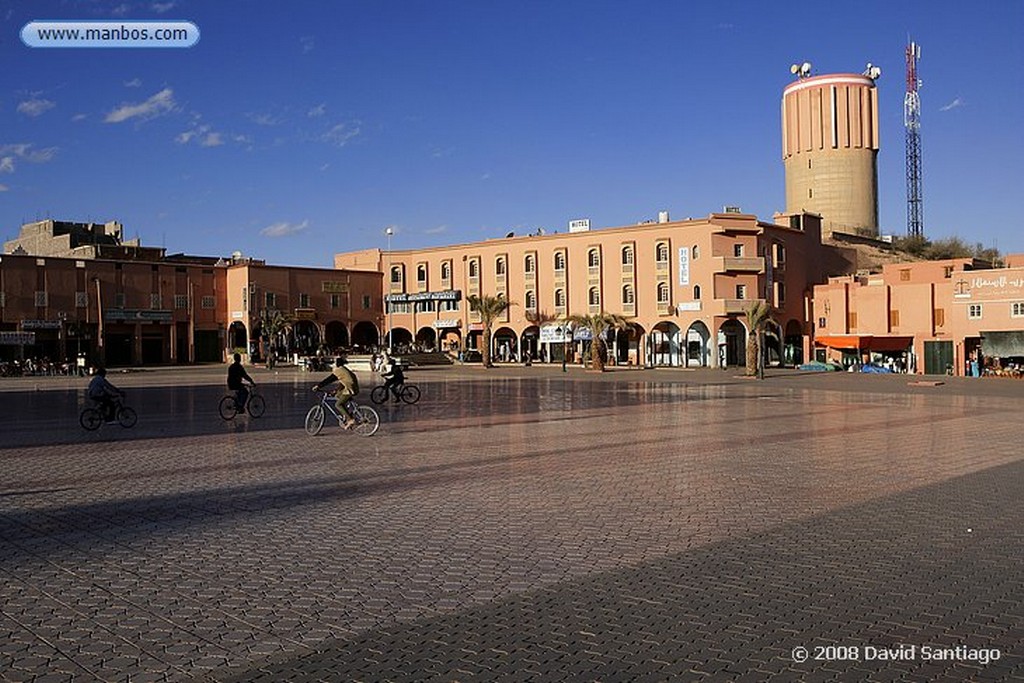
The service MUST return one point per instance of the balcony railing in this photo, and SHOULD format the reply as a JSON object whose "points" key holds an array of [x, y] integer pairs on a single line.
{"points": [[742, 264]]}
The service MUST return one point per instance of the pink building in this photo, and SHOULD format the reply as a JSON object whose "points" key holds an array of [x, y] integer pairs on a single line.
{"points": [[936, 315], [685, 285]]}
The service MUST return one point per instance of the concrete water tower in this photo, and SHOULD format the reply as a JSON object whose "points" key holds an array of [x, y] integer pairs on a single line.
{"points": [[830, 148]]}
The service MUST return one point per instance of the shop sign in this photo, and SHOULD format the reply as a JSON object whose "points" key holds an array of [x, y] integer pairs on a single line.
{"points": [[40, 324], [17, 338], [237, 315], [334, 287], [305, 314], [688, 306], [988, 288], [447, 295], [140, 314], [447, 322], [555, 334]]}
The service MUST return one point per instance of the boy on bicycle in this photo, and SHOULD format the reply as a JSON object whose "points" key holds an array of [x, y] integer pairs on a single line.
{"points": [[394, 377], [236, 376], [349, 388], [103, 393]]}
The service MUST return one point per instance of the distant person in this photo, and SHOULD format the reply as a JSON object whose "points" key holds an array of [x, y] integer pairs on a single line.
{"points": [[394, 377], [237, 376], [349, 388], [103, 393]]}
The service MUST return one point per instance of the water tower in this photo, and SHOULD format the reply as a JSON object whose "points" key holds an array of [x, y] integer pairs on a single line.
{"points": [[830, 148]]}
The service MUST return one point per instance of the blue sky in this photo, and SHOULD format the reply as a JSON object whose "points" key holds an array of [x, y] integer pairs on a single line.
{"points": [[295, 130]]}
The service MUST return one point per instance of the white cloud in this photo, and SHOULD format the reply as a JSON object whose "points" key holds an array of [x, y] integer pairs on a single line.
{"points": [[952, 105], [316, 111], [35, 106], [204, 135], [212, 140], [264, 119], [10, 155], [340, 134], [158, 104], [436, 231], [308, 43], [4, 188], [134, 83], [284, 229], [163, 7], [79, 117]]}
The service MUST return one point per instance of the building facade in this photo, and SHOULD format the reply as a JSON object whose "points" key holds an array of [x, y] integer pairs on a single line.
{"points": [[938, 316], [79, 240], [684, 285]]}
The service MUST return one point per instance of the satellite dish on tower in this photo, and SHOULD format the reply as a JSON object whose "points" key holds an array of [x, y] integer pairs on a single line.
{"points": [[801, 70]]}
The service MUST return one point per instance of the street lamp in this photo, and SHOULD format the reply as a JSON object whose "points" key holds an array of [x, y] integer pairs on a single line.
{"points": [[389, 231]]}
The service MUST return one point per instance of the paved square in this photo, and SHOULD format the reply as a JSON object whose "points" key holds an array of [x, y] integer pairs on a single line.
{"points": [[518, 525]]}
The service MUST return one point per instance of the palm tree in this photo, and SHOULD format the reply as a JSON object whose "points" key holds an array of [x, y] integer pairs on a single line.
{"points": [[539, 318], [490, 308], [759, 314], [273, 324], [598, 323]]}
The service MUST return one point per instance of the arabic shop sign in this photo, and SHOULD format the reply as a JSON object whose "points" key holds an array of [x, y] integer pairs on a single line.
{"points": [[139, 314], [448, 295]]}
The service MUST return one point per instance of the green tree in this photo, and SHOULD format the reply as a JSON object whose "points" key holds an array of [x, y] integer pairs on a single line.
{"points": [[597, 324], [759, 314], [490, 309], [273, 325]]}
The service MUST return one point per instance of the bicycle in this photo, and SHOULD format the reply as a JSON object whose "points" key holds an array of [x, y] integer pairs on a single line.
{"points": [[91, 418], [409, 393], [255, 405], [367, 421]]}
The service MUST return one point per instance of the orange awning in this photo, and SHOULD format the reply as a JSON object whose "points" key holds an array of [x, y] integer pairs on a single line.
{"points": [[864, 342]]}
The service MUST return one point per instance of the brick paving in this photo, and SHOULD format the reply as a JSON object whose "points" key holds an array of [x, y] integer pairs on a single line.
{"points": [[517, 525]]}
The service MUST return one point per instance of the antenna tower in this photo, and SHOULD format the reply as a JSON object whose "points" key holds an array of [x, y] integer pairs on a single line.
{"points": [[912, 122]]}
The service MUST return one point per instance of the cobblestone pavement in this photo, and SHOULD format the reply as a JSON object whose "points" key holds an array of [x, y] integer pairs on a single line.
{"points": [[519, 526]]}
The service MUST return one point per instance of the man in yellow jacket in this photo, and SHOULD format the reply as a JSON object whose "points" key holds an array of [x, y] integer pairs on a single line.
{"points": [[349, 388]]}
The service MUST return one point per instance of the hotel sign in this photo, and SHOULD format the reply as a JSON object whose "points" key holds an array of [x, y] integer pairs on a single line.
{"points": [[444, 323], [448, 295], [684, 265], [334, 287]]}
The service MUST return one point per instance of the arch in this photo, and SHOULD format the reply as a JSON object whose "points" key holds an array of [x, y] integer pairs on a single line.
{"points": [[237, 337], [626, 344], [661, 252], [627, 255], [559, 260], [698, 345], [336, 334], [593, 258], [594, 296], [426, 338], [402, 339], [365, 335], [732, 344], [499, 265], [504, 344], [665, 347], [474, 268], [305, 337], [663, 292], [793, 343], [531, 300], [628, 295], [696, 292], [529, 343], [773, 350], [451, 339], [396, 274]]}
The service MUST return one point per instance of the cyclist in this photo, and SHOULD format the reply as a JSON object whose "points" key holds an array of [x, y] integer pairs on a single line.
{"points": [[237, 376], [349, 388], [394, 376], [103, 393]]}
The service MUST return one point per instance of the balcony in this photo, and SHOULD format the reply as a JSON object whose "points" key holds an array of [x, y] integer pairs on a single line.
{"points": [[739, 264], [730, 306]]}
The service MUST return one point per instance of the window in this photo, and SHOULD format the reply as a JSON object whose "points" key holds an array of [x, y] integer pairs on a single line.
{"points": [[335, 300], [559, 260], [627, 256], [695, 252], [940, 317], [594, 296], [628, 296], [559, 298], [741, 291], [499, 266], [947, 271], [821, 322], [662, 293], [974, 311], [446, 271], [421, 274], [396, 274], [208, 302], [780, 254], [780, 293], [40, 298], [1017, 309], [531, 300], [118, 299], [737, 250], [662, 252], [303, 300], [81, 299], [474, 268], [696, 292], [810, 193], [271, 300], [181, 301], [529, 264], [851, 320], [894, 318], [593, 258], [905, 275], [154, 301], [366, 302]]}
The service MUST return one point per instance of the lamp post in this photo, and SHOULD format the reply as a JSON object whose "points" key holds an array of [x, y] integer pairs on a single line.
{"points": [[389, 231]]}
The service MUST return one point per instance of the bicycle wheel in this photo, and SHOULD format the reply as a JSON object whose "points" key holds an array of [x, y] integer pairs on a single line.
{"points": [[257, 406], [315, 420], [127, 416], [410, 393], [90, 419], [227, 408], [367, 421], [379, 394]]}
